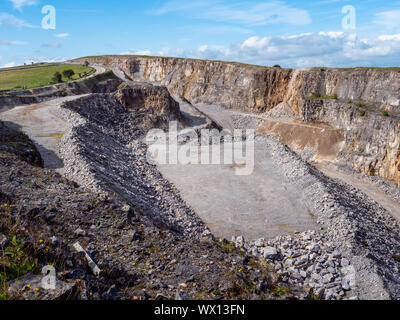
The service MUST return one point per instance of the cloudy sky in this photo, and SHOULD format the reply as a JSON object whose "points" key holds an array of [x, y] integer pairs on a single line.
{"points": [[333, 33]]}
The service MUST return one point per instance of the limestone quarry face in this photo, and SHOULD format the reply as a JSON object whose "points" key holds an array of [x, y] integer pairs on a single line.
{"points": [[235, 85], [228, 85], [372, 140], [151, 105], [371, 143]]}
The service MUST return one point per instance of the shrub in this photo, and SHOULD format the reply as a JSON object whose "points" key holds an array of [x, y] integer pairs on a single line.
{"points": [[69, 73], [62, 93], [277, 66], [362, 113], [314, 96], [349, 101], [57, 78], [385, 113], [360, 104], [17, 261], [317, 96]]}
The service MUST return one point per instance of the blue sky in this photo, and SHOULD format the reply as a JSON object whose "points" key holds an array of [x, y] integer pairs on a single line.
{"points": [[290, 33]]}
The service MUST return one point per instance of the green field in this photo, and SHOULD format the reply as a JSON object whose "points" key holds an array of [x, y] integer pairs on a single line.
{"points": [[38, 75]]}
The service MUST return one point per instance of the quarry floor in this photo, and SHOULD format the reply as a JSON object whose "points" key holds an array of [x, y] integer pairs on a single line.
{"points": [[262, 204], [259, 205]]}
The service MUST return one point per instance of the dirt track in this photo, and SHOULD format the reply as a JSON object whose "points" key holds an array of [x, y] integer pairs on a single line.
{"points": [[368, 188], [42, 124]]}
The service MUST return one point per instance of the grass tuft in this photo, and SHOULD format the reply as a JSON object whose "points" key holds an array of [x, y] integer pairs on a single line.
{"points": [[385, 113]]}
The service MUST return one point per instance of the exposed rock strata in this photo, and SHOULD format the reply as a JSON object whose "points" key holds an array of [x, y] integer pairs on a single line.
{"points": [[235, 85], [229, 85], [260, 89], [150, 106], [372, 139]]}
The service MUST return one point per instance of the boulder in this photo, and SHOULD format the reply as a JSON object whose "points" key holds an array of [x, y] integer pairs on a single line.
{"points": [[29, 287], [270, 253]]}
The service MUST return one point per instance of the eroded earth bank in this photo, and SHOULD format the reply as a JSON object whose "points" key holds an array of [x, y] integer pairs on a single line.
{"points": [[318, 218]]}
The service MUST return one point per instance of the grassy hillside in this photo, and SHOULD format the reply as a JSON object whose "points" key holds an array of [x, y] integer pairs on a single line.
{"points": [[35, 76]]}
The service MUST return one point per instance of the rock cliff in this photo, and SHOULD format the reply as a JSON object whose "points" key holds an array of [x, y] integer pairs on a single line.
{"points": [[372, 137], [372, 142], [256, 88], [230, 85], [152, 106]]}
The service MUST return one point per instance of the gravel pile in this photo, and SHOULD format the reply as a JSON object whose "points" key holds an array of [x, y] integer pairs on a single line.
{"points": [[104, 152], [307, 260], [357, 247], [356, 251], [282, 111]]}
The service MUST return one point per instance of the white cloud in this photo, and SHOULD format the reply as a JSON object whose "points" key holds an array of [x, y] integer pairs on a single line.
{"points": [[331, 49], [395, 37], [257, 14], [255, 42], [18, 4], [62, 35], [8, 20], [388, 19], [13, 42], [295, 36], [9, 65], [331, 34]]}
